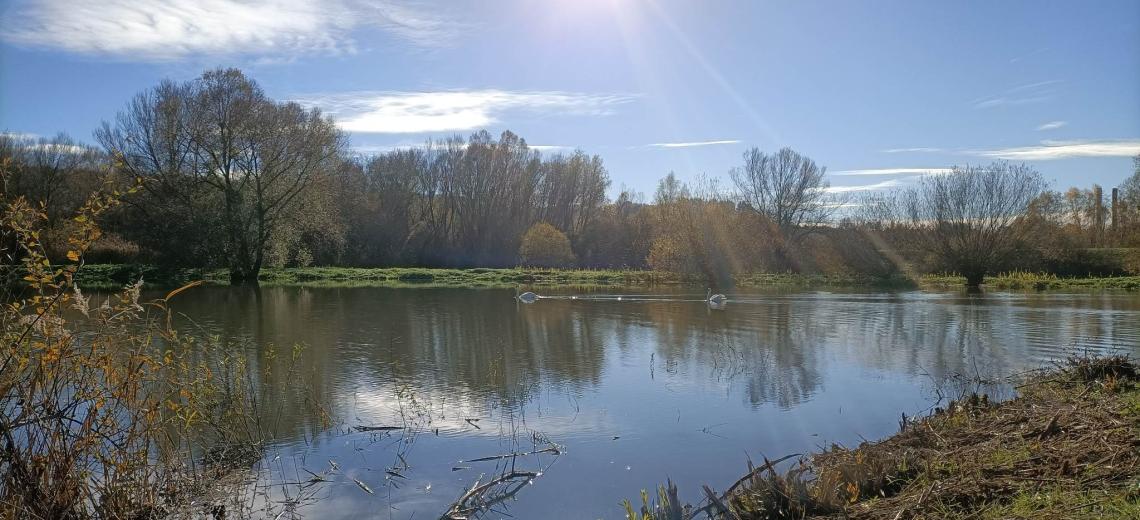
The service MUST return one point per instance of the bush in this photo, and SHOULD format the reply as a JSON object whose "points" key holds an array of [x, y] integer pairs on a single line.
{"points": [[543, 245], [104, 408]]}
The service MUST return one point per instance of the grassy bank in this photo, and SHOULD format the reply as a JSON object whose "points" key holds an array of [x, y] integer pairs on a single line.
{"points": [[1067, 447], [113, 276], [110, 276], [1024, 281]]}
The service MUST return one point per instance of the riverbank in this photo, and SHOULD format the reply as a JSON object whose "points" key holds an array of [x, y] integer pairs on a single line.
{"points": [[108, 276], [1067, 447], [1023, 281], [113, 276]]}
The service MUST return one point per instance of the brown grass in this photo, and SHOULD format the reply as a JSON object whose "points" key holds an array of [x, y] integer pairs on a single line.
{"points": [[105, 410], [1067, 447]]}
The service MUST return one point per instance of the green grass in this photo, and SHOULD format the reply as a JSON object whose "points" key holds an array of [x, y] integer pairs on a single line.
{"points": [[113, 276], [109, 276], [1035, 281], [1057, 502]]}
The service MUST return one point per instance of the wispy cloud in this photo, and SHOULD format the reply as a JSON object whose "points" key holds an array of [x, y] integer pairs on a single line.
{"points": [[902, 177], [894, 171], [1050, 150], [883, 185], [691, 144], [1051, 125], [1029, 93], [157, 30], [552, 148], [919, 149], [452, 110], [375, 149]]}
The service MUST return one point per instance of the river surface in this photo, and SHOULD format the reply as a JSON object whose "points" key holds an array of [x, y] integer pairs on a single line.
{"points": [[632, 391]]}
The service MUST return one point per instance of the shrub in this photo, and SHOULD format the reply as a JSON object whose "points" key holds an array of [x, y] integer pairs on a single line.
{"points": [[543, 245], [103, 406], [668, 254]]}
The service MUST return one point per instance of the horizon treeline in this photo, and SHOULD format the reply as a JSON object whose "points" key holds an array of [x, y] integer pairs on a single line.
{"points": [[220, 175]]}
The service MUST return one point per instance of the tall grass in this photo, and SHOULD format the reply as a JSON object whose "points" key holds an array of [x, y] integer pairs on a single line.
{"points": [[106, 410]]}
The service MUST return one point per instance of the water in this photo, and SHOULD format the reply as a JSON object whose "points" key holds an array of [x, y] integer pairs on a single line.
{"points": [[634, 390]]}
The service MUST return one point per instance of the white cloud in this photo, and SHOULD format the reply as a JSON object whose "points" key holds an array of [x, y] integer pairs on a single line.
{"points": [[691, 144], [894, 171], [1050, 150], [913, 150], [887, 184], [449, 111], [373, 149], [156, 30], [1051, 125], [905, 177], [552, 148]]}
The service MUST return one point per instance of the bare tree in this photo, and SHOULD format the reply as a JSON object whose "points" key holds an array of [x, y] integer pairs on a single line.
{"points": [[56, 173], [970, 218], [788, 188], [220, 135]]}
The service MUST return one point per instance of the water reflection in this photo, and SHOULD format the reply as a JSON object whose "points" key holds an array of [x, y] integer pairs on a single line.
{"points": [[635, 390]]}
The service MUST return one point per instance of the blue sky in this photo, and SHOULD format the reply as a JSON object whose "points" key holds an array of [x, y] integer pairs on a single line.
{"points": [[877, 91]]}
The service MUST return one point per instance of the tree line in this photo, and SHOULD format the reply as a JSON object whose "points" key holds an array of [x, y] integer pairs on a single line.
{"points": [[221, 175]]}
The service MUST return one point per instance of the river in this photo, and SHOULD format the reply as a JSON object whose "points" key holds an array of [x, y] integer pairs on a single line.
{"points": [[631, 391]]}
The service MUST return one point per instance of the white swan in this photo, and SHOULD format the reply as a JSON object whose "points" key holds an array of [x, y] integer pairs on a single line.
{"points": [[526, 297], [715, 299]]}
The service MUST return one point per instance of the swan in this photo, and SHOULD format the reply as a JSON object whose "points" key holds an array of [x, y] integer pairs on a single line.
{"points": [[715, 299], [526, 297]]}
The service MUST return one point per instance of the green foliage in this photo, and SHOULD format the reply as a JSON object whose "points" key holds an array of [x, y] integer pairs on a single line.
{"points": [[543, 245]]}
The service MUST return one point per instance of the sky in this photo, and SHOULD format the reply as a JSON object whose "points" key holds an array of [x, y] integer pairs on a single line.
{"points": [[878, 92]]}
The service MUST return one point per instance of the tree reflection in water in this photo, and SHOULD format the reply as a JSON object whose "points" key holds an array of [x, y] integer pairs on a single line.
{"points": [[618, 384]]}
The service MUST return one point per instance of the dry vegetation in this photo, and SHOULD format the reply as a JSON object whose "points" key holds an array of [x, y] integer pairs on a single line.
{"points": [[106, 411], [1067, 447]]}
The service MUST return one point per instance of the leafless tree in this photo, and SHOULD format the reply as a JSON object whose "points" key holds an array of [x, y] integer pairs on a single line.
{"points": [[970, 218], [220, 135], [57, 173], [786, 187]]}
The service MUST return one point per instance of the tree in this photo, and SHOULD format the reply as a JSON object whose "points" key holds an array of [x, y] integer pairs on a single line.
{"points": [[219, 144], [787, 188], [1130, 188], [57, 173], [544, 245], [669, 189], [969, 219]]}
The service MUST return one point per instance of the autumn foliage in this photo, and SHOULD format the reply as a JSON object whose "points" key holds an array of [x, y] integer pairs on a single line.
{"points": [[544, 245]]}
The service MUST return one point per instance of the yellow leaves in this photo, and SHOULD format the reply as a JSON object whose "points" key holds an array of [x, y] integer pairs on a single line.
{"points": [[81, 218], [852, 492], [73, 256]]}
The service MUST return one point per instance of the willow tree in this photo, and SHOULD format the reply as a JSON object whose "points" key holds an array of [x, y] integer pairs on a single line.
{"points": [[971, 219], [218, 144]]}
